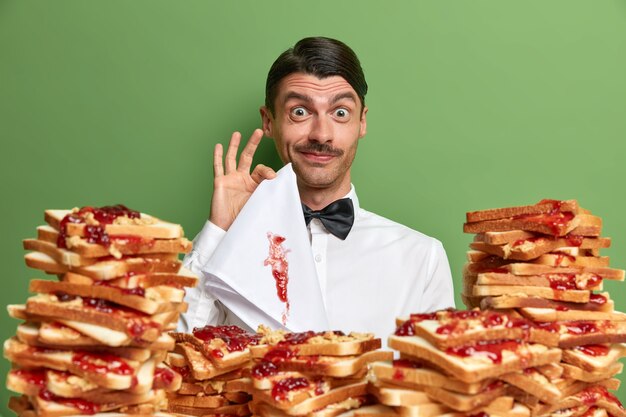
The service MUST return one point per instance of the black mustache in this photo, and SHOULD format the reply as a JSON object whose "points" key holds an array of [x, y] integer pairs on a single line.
{"points": [[316, 147]]}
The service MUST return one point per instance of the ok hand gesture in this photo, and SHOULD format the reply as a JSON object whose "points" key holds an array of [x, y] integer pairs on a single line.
{"points": [[233, 184]]}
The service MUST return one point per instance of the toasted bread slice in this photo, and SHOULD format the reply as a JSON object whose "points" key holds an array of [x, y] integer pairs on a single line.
{"points": [[535, 383], [564, 260], [594, 358], [397, 396], [137, 299], [549, 314], [116, 374], [145, 225], [109, 269], [120, 245], [334, 366], [579, 374], [212, 387], [537, 269], [95, 311], [542, 207], [523, 246], [558, 224], [201, 367], [184, 278], [486, 325], [585, 332], [410, 374], [573, 296], [583, 281], [316, 343], [479, 366], [597, 302]]}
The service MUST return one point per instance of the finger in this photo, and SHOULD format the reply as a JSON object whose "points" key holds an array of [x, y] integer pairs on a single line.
{"points": [[245, 160], [218, 167], [230, 162], [262, 172]]}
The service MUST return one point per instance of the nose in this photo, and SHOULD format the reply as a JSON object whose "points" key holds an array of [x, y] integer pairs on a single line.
{"points": [[321, 129]]}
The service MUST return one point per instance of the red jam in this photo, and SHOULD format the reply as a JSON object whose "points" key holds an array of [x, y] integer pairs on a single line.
{"points": [[304, 337], [277, 259], [279, 354], [282, 388], [554, 220], [164, 376], [264, 369], [490, 349], [598, 299], [591, 395], [520, 242], [581, 327], [95, 233], [84, 406], [594, 350], [574, 240], [101, 363], [235, 338], [417, 317], [405, 329], [184, 371], [406, 363], [31, 376], [138, 291]]}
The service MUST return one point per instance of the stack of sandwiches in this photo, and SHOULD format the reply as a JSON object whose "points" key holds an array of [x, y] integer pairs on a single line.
{"points": [[542, 262], [214, 362], [312, 373], [452, 363], [94, 340]]}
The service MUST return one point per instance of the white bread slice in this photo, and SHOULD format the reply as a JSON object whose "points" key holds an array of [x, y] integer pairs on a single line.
{"points": [[466, 402], [594, 395], [563, 260], [396, 396], [202, 368], [217, 350], [537, 269], [138, 300], [594, 358], [477, 367], [583, 281], [110, 269], [549, 314], [574, 296], [61, 256], [135, 324], [125, 245], [489, 325], [418, 377], [66, 360], [146, 226], [585, 332], [529, 246], [227, 410], [212, 387], [184, 278], [204, 401], [597, 302], [333, 366], [316, 343], [542, 207], [535, 383], [579, 374]]}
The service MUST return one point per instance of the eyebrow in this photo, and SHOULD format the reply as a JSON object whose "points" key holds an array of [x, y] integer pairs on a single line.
{"points": [[293, 95]]}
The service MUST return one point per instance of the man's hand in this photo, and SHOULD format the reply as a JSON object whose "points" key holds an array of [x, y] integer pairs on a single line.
{"points": [[234, 184]]}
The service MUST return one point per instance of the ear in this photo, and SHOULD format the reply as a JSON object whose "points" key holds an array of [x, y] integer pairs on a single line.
{"points": [[363, 123], [268, 122]]}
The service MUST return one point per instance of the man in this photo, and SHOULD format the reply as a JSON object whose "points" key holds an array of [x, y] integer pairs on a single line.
{"points": [[370, 269]]}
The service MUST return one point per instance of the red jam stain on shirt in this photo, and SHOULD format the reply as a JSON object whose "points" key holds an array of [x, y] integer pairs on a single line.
{"points": [[594, 350], [95, 233], [277, 259], [489, 349], [281, 389]]}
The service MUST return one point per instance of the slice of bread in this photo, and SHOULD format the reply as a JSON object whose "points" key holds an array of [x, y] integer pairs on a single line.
{"points": [[478, 366], [534, 383], [598, 302], [585, 332], [549, 314], [543, 207], [145, 226], [332, 366], [594, 358], [573, 296]]}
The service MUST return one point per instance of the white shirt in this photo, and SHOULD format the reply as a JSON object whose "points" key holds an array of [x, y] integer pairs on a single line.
{"points": [[382, 270]]}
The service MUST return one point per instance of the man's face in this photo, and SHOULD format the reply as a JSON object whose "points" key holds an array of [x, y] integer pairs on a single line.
{"points": [[316, 125]]}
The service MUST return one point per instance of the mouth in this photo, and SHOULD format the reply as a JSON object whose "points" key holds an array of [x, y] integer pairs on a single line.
{"points": [[317, 157]]}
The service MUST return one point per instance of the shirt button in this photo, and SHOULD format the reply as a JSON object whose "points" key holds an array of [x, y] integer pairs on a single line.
{"points": [[318, 258]]}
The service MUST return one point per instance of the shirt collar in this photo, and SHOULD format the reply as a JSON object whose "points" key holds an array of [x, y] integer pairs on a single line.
{"points": [[355, 200]]}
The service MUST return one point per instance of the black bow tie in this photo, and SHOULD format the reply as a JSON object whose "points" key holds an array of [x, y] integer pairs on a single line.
{"points": [[337, 217]]}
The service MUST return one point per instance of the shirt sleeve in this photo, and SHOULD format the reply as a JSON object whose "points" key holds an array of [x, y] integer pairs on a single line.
{"points": [[439, 290], [203, 307]]}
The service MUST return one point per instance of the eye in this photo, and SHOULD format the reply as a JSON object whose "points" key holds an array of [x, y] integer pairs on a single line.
{"points": [[299, 112], [342, 113]]}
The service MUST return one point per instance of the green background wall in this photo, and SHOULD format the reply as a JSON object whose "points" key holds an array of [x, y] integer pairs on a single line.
{"points": [[473, 104]]}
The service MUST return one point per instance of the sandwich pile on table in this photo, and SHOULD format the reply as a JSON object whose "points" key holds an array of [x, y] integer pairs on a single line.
{"points": [[94, 340]]}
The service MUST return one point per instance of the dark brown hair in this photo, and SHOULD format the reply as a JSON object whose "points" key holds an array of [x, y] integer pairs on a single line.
{"points": [[319, 56]]}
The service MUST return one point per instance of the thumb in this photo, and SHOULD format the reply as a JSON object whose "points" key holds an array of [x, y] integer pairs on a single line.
{"points": [[262, 172]]}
